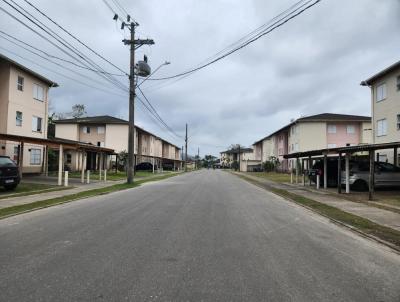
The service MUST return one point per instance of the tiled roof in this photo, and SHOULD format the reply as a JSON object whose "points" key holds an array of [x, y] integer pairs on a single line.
{"points": [[101, 119]]}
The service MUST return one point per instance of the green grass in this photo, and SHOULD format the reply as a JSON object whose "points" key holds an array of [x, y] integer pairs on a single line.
{"points": [[67, 198], [359, 223], [273, 176], [25, 189], [111, 175]]}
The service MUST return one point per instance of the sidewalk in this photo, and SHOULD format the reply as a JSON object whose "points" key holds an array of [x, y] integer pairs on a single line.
{"points": [[379, 216], [14, 201]]}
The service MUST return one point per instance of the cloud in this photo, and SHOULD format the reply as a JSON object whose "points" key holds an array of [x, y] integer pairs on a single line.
{"points": [[312, 64]]}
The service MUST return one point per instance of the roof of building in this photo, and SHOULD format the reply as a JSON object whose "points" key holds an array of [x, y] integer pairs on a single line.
{"points": [[26, 69], [235, 151], [322, 117], [383, 72], [100, 119], [105, 119]]}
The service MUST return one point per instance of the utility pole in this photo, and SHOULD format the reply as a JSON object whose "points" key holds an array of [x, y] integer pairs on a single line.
{"points": [[186, 142], [131, 132], [239, 157], [198, 157]]}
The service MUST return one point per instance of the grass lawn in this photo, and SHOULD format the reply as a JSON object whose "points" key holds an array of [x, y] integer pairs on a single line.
{"points": [[25, 189], [111, 175], [59, 200], [274, 176]]}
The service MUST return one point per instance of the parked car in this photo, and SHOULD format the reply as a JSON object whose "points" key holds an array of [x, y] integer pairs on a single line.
{"points": [[386, 175], [146, 166], [9, 173], [318, 169]]}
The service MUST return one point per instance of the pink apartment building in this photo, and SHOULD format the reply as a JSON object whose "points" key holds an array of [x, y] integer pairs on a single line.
{"points": [[326, 130]]}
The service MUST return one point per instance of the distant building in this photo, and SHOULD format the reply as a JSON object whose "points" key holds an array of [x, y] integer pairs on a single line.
{"points": [[111, 132], [326, 130], [246, 156], [23, 111], [385, 105]]}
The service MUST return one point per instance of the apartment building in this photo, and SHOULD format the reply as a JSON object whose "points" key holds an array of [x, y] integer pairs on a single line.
{"points": [[326, 130], [24, 98], [246, 156], [111, 132], [385, 105]]}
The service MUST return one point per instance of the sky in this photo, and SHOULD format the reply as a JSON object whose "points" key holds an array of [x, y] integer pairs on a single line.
{"points": [[312, 64]]}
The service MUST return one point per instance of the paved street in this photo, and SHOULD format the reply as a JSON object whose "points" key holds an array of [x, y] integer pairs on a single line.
{"points": [[203, 236]]}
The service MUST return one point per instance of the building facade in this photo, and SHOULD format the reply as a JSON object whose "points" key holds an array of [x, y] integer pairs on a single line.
{"points": [[24, 98], [385, 106], [110, 132], [314, 132]]}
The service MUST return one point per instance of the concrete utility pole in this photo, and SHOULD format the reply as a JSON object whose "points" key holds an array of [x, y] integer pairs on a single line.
{"points": [[186, 142], [198, 157], [239, 157], [131, 132]]}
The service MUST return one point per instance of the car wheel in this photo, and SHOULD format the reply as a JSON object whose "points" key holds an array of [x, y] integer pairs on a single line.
{"points": [[360, 185], [10, 187]]}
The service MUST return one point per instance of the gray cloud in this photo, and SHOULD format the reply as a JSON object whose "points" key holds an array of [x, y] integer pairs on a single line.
{"points": [[313, 64]]}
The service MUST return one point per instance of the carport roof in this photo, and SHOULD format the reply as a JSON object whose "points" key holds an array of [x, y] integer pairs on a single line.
{"points": [[348, 149], [54, 142]]}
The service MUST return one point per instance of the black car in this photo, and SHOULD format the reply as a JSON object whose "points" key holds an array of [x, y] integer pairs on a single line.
{"points": [[9, 173], [146, 166]]}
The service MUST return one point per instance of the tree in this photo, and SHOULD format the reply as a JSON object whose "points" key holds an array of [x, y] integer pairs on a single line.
{"points": [[78, 110], [122, 160]]}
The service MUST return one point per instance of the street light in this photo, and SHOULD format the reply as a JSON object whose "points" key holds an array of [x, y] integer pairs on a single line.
{"points": [[155, 70]]}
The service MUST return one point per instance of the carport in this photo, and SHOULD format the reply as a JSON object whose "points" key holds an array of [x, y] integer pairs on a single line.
{"points": [[341, 152], [61, 145]]}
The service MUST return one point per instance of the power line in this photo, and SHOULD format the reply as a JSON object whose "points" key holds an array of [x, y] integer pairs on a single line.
{"points": [[86, 61], [75, 38], [277, 25], [50, 55], [60, 74], [158, 116]]}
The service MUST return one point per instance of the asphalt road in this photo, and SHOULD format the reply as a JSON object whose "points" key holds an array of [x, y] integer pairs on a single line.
{"points": [[203, 236]]}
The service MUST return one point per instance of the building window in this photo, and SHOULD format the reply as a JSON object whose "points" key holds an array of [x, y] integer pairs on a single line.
{"points": [[69, 158], [20, 83], [398, 83], [381, 127], [100, 130], [86, 129], [381, 92], [38, 92], [35, 156], [350, 129], [331, 146], [100, 144], [398, 122], [332, 129], [296, 147], [18, 118], [36, 124]]}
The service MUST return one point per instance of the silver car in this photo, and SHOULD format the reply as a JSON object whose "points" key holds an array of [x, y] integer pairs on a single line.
{"points": [[386, 175]]}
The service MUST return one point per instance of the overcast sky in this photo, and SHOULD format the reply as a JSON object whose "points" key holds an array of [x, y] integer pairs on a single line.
{"points": [[313, 64]]}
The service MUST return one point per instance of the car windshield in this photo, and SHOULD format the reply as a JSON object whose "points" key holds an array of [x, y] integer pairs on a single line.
{"points": [[5, 161]]}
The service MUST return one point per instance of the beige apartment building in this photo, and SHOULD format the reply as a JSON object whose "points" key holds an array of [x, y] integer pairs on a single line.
{"points": [[24, 97], [245, 155], [385, 105], [111, 132], [321, 131]]}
